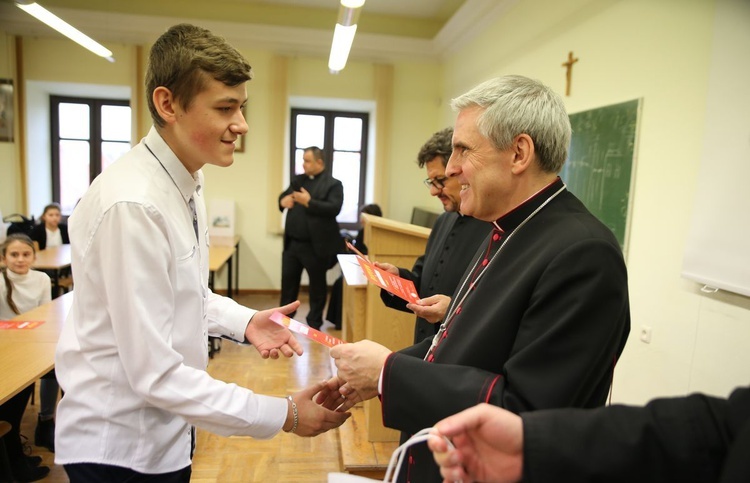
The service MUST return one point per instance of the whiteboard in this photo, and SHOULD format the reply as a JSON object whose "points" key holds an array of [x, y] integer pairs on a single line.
{"points": [[717, 251]]}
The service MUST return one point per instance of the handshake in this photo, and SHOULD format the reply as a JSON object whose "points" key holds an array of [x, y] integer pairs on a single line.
{"points": [[324, 406]]}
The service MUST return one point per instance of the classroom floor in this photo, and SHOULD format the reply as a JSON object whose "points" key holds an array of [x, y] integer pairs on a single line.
{"points": [[284, 458]]}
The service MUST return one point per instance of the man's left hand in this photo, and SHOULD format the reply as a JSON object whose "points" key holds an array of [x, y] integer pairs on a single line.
{"points": [[359, 365], [432, 308], [270, 338]]}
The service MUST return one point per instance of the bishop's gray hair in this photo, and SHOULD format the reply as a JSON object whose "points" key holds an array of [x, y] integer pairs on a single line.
{"points": [[515, 105]]}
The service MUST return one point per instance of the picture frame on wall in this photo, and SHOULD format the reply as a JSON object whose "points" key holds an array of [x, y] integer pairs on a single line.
{"points": [[6, 110], [239, 146]]}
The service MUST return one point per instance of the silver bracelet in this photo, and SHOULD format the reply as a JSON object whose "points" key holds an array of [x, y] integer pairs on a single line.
{"points": [[295, 414]]}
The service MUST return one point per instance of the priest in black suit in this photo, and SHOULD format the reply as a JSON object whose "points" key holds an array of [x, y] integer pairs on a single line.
{"points": [[311, 233]]}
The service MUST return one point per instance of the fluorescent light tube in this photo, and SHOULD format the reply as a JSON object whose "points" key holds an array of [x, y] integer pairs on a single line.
{"points": [[342, 44], [44, 15]]}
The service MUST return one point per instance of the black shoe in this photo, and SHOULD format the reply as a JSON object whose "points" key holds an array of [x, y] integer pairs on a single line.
{"points": [[23, 472], [34, 461], [315, 325], [44, 435]]}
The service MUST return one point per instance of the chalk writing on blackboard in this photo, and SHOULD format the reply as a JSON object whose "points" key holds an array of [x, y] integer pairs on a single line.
{"points": [[600, 165]]}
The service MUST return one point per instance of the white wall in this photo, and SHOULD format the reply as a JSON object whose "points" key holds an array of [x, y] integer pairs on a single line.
{"points": [[658, 51]]}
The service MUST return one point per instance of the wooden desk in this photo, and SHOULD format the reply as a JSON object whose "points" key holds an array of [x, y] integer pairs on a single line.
{"points": [[400, 244], [27, 355], [53, 260], [359, 456], [222, 251]]}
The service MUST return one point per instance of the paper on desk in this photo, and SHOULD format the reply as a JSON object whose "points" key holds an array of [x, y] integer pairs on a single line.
{"points": [[394, 284], [306, 330], [20, 324], [351, 270]]}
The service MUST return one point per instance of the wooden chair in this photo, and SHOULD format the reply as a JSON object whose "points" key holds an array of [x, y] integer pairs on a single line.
{"points": [[65, 283]]}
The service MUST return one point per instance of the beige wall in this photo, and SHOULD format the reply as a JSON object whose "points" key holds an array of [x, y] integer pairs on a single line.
{"points": [[658, 51], [10, 195]]}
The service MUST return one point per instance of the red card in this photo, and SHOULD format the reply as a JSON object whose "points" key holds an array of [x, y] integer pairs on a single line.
{"points": [[20, 324], [394, 284], [306, 330]]}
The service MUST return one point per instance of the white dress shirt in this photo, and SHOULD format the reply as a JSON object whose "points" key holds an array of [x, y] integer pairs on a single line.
{"points": [[30, 290], [133, 352]]}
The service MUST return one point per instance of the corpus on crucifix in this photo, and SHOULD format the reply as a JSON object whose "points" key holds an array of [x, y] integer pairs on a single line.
{"points": [[569, 71]]}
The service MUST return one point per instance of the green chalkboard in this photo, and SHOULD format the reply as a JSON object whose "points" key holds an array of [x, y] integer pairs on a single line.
{"points": [[599, 168]]}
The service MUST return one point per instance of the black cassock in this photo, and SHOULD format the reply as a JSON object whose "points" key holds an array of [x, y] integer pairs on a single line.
{"points": [[449, 251], [541, 328]]}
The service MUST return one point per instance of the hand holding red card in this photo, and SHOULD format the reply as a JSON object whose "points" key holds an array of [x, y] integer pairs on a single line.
{"points": [[394, 284], [306, 330]]}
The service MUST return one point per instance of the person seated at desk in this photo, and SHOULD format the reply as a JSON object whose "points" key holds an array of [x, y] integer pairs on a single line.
{"points": [[50, 232], [21, 289]]}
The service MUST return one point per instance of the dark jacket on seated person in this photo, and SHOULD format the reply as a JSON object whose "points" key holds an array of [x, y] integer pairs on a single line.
{"points": [[39, 234]]}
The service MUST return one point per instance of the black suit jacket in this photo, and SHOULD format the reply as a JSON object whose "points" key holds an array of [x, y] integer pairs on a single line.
{"points": [[39, 234], [541, 329], [694, 439], [450, 248], [320, 215]]}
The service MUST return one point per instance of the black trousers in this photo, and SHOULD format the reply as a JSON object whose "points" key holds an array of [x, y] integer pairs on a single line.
{"points": [[298, 256], [97, 473], [335, 301], [12, 411]]}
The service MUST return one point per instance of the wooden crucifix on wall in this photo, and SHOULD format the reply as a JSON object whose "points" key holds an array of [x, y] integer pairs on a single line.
{"points": [[569, 71]]}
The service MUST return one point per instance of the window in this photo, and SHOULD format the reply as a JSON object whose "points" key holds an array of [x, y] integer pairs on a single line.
{"points": [[87, 136], [343, 138]]}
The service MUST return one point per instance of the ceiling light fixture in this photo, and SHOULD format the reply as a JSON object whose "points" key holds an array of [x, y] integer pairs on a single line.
{"points": [[44, 15], [343, 34]]}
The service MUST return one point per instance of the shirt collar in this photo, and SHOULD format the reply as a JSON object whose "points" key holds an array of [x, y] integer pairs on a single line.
{"points": [[510, 221], [187, 183]]}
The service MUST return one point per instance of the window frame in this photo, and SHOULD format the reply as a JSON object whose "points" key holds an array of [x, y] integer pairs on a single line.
{"points": [[329, 116], [95, 135]]}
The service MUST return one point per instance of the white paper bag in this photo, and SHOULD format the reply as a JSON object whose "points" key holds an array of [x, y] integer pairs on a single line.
{"points": [[394, 465]]}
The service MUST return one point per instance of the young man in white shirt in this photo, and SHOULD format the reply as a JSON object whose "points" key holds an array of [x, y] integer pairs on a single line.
{"points": [[132, 355]]}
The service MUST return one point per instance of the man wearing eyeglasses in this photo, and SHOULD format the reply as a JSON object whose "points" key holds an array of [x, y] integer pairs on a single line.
{"points": [[452, 242]]}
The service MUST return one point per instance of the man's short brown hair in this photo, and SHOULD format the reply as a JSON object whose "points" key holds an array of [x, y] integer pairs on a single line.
{"points": [[183, 57], [440, 144]]}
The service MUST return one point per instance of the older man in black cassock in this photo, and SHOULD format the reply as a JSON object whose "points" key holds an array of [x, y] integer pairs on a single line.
{"points": [[541, 316]]}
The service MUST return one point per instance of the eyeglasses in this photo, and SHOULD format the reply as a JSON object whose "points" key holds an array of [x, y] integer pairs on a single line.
{"points": [[437, 183]]}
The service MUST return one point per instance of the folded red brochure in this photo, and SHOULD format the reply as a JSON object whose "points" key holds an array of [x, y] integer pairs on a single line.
{"points": [[394, 284], [306, 330], [20, 324]]}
